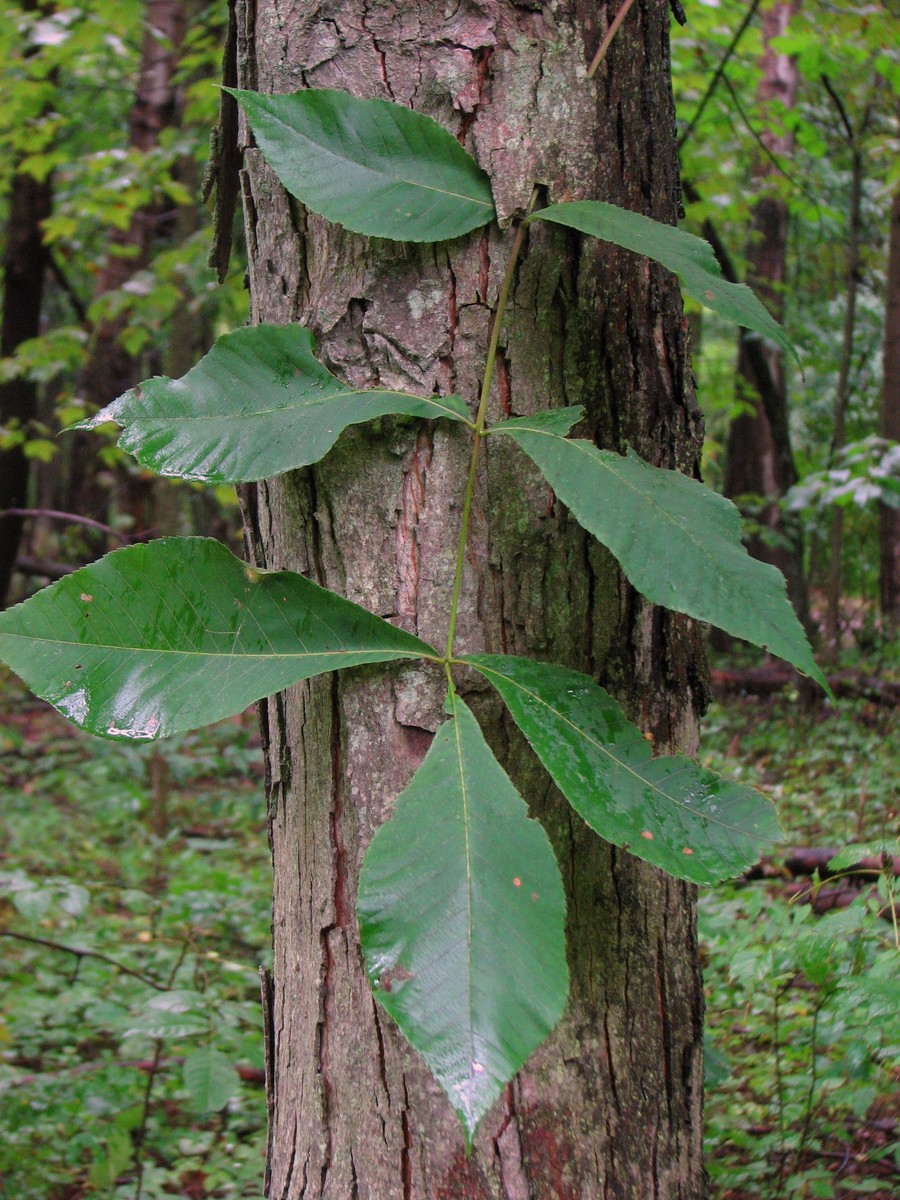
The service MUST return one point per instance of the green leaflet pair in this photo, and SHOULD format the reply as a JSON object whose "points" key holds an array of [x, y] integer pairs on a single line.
{"points": [[460, 905]]}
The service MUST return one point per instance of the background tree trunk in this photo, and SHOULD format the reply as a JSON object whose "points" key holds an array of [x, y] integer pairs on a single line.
{"points": [[111, 368], [759, 458], [611, 1105], [24, 267], [890, 428]]}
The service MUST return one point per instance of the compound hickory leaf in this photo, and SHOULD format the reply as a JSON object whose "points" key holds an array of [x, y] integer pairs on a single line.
{"points": [[462, 918], [257, 405], [179, 633]]}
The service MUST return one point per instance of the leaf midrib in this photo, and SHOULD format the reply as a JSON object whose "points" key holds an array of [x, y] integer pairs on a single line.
{"points": [[465, 804], [306, 407], [23, 637], [603, 749], [588, 447], [393, 179]]}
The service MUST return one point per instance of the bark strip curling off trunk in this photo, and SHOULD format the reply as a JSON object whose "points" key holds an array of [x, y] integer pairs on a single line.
{"points": [[610, 1105]]}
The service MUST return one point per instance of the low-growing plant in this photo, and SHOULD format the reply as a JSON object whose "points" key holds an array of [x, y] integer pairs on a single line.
{"points": [[130, 1053]]}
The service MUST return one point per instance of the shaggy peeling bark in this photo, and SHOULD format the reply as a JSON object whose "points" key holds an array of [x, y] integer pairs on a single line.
{"points": [[610, 1106]]}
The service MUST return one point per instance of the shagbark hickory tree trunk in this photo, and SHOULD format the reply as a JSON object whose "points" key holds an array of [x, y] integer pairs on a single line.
{"points": [[610, 1106]]}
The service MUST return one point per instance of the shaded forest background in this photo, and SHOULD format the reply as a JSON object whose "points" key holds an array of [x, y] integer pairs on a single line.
{"points": [[129, 1049]]}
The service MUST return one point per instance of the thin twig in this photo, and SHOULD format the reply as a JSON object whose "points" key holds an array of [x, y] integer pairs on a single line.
{"points": [[65, 283], [719, 72], [80, 952], [767, 150], [608, 37], [813, 1080], [54, 514], [779, 1081], [140, 1134], [842, 112]]}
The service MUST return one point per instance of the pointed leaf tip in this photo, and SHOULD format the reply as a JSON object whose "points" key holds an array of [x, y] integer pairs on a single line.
{"points": [[178, 633], [471, 966], [689, 257], [668, 810], [257, 405], [677, 541]]}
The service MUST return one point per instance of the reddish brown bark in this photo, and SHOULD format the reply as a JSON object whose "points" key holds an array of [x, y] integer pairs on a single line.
{"points": [[610, 1106]]}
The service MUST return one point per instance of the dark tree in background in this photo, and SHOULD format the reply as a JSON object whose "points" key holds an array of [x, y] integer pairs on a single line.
{"points": [[760, 460]]}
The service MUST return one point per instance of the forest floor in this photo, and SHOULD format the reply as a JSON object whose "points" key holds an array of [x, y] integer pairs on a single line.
{"points": [[134, 913]]}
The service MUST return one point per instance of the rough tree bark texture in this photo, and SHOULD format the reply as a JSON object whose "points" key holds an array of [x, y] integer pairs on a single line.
{"points": [[759, 458], [890, 427], [611, 1105]]}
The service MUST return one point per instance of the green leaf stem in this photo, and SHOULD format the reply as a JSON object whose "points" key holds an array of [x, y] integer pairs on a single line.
{"points": [[257, 405], [689, 257], [373, 166], [462, 918], [179, 633], [667, 810], [677, 541]]}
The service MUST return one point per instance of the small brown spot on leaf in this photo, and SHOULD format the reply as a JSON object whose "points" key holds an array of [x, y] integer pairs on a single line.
{"points": [[517, 882], [477, 1067], [86, 597], [687, 850], [534, 895], [397, 974], [647, 834], [648, 736]]}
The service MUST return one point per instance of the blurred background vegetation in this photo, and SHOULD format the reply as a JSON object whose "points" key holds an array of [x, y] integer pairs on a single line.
{"points": [[134, 884]]}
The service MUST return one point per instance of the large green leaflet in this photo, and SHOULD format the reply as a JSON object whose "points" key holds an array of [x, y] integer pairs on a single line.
{"points": [[179, 633], [668, 810], [372, 166], [257, 405], [677, 541], [462, 918], [689, 257]]}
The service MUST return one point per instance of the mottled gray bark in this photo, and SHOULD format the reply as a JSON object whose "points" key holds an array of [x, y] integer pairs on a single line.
{"points": [[610, 1105]]}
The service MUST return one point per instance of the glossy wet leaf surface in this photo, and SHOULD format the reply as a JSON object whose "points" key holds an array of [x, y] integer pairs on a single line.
{"points": [[667, 810], [372, 166], [677, 541], [257, 405], [689, 257], [462, 918], [179, 633]]}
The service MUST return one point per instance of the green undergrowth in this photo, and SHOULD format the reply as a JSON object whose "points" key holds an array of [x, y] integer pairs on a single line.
{"points": [[803, 1018], [803, 1023], [115, 1084]]}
